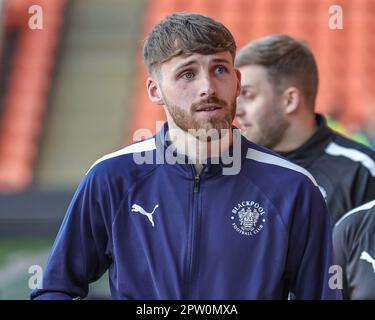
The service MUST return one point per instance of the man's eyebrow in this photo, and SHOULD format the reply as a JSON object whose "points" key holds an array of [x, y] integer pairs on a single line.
{"points": [[186, 64], [247, 86], [193, 61], [220, 60]]}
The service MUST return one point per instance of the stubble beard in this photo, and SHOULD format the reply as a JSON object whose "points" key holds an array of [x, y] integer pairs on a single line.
{"points": [[271, 129], [210, 128]]}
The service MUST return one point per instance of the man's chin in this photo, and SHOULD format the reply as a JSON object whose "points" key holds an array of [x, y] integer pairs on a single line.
{"points": [[217, 124], [246, 135], [212, 132], [253, 139]]}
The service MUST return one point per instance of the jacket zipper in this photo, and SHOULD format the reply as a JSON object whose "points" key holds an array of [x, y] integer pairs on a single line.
{"points": [[192, 239], [196, 183]]}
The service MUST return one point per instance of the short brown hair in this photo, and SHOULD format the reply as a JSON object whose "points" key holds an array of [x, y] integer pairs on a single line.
{"points": [[185, 33], [288, 62]]}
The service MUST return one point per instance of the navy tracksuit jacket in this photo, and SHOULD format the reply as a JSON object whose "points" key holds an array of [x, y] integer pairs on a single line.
{"points": [[166, 233]]}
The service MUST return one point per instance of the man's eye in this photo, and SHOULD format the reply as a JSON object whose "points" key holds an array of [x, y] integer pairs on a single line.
{"points": [[187, 75], [248, 95], [221, 69]]}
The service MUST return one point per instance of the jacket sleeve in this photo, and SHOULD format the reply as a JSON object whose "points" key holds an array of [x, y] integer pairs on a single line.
{"points": [[81, 252], [310, 248], [363, 186], [341, 247]]}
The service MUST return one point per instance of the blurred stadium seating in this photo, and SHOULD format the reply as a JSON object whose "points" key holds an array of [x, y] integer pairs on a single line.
{"points": [[344, 57]]}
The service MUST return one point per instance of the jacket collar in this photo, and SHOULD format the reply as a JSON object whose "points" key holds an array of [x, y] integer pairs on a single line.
{"points": [[166, 152], [314, 146]]}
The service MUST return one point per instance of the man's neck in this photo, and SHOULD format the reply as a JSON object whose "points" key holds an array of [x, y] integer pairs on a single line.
{"points": [[196, 149], [297, 134]]}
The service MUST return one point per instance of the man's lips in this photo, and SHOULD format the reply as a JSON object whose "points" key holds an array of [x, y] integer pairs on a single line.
{"points": [[245, 126], [208, 107]]}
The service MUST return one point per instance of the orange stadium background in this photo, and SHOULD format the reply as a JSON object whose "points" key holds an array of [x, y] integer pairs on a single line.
{"points": [[76, 89]]}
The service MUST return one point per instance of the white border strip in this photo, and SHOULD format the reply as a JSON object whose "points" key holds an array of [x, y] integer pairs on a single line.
{"points": [[271, 159], [363, 207]]}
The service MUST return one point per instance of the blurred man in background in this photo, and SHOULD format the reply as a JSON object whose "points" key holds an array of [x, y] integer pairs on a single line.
{"points": [[354, 245], [276, 109], [184, 229]]}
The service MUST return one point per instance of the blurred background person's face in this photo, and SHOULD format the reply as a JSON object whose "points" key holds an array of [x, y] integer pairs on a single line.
{"points": [[259, 110]]}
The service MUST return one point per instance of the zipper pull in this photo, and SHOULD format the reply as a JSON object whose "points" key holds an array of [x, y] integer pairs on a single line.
{"points": [[196, 183]]}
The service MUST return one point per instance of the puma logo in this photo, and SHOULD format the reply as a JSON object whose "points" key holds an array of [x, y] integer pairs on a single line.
{"points": [[136, 208], [366, 256]]}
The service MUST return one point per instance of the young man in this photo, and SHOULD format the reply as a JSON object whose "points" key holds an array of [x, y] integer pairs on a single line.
{"points": [[276, 109], [171, 217], [354, 244]]}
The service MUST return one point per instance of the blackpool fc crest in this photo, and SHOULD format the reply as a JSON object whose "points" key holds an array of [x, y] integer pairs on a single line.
{"points": [[248, 218]]}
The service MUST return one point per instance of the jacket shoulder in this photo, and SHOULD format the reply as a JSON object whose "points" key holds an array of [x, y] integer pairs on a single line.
{"points": [[124, 161], [352, 151], [347, 143], [275, 163], [355, 215]]}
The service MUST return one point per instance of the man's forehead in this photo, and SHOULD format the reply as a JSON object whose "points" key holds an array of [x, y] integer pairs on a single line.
{"points": [[253, 75], [253, 69], [197, 58]]}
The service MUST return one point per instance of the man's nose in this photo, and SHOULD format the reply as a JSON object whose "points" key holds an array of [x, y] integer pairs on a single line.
{"points": [[207, 86], [240, 111]]}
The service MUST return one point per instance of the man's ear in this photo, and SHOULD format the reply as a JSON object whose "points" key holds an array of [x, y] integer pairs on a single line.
{"points": [[153, 91], [238, 75], [291, 98]]}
